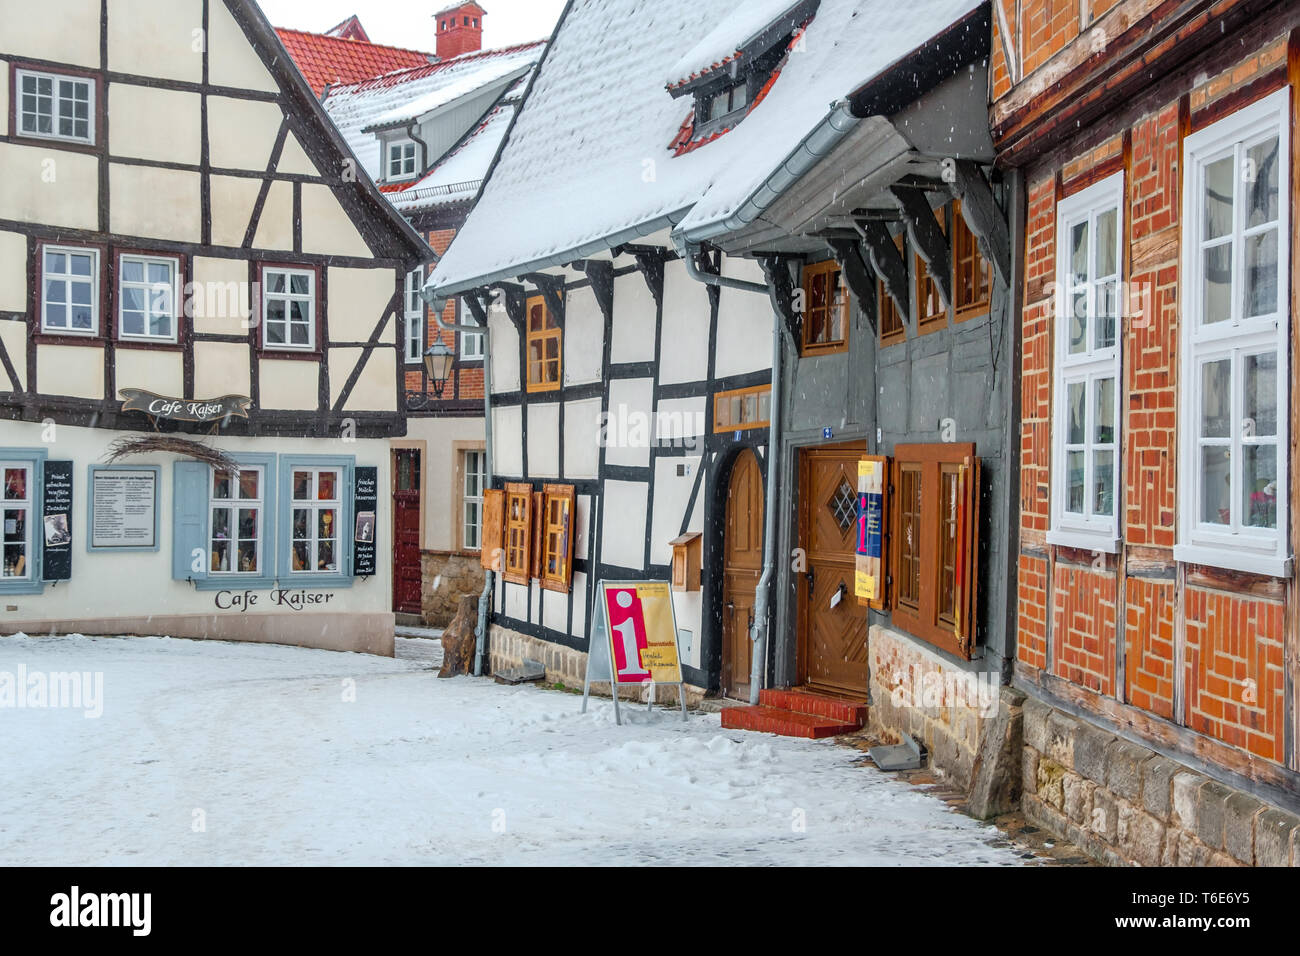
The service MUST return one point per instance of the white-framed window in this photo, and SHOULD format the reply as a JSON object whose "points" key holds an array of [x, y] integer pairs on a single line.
{"points": [[401, 159], [53, 106], [317, 503], [414, 327], [148, 293], [1085, 387], [69, 291], [17, 491], [237, 506], [289, 309], [475, 481], [1232, 474], [471, 343]]}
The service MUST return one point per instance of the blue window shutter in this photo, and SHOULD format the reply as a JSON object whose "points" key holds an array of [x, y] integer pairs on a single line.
{"points": [[190, 520]]}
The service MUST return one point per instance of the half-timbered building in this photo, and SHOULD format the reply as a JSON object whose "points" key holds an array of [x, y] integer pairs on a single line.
{"points": [[426, 133], [1157, 625], [200, 305]]}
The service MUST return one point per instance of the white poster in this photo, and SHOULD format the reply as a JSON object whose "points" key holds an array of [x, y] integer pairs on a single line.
{"points": [[124, 509]]}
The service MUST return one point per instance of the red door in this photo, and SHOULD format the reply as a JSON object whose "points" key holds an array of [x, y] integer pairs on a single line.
{"points": [[406, 531]]}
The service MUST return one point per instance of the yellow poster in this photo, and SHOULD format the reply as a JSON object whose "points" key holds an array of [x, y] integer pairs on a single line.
{"points": [[643, 632]]}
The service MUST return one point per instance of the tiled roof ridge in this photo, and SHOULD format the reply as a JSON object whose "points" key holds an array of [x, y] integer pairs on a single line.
{"points": [[419, 72], [348, 40]]}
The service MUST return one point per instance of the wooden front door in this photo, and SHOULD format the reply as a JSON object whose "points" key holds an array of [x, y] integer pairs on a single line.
{"points": [[742, 567], [832, 625], [406, 531]]}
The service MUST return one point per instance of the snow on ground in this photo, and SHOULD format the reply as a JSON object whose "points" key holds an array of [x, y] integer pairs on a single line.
{"points": [[213, 753]]}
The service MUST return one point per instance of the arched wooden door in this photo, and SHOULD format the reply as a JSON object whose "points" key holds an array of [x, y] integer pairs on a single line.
{"points": [[833, 626], [742, 567]]}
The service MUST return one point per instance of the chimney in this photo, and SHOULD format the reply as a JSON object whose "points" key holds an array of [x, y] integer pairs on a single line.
{"points": [[460, 30]]}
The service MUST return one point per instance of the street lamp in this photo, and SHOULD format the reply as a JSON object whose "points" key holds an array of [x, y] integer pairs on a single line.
{"points": [[437, 363]]}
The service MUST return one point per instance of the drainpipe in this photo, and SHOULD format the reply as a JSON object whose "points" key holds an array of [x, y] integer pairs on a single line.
{"points": [[758, 632], [438, 304]]}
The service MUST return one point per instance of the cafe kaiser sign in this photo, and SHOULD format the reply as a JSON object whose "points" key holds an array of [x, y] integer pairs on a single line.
{"points": [[184, 409]]}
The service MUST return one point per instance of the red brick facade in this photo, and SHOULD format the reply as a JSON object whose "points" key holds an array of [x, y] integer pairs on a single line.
{"points": [[467, 380], [1202, 653]]}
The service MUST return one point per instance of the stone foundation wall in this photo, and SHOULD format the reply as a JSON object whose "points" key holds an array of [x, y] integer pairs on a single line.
{"points": [[446, 578], [1125, 804], [564, 665], [969, 723]]}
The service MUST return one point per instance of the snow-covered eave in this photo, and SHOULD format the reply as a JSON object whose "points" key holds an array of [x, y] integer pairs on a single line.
{"points": [[815, 147], [420, 118], [585, 251]]}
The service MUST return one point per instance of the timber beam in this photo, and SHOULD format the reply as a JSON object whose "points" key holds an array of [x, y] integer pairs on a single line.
{"points": [[857, 275], [888, 264], [927, 238], [980, 210]]}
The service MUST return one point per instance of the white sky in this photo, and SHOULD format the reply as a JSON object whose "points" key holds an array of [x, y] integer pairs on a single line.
{"points": [[409, 23]]}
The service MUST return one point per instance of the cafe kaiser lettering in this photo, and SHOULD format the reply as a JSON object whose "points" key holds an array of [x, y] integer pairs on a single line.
{"points": [[244, 601], [183, 409]]}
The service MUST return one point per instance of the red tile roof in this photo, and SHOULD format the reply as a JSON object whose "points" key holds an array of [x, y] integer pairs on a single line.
{"points": [[326, 61]]}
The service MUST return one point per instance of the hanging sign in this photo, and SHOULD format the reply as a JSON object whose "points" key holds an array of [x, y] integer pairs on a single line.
{"points": [[185, 409], [634, 640], [365, 504], [56, 519], [869, 579]]}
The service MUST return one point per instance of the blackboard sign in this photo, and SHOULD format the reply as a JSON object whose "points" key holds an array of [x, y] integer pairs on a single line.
{"points": [[365, 506], [56, 514]]}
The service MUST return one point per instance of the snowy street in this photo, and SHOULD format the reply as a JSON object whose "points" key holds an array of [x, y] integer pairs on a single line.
{"points": [[228, 754]]}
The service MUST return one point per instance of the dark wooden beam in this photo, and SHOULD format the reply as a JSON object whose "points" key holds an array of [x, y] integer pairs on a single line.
{"points": [[780, 289], [888, 264], [982, 215], [552, 289], [927, 238], [475, 300], [515, 300], [857, 275], [601, 276], [650, 263]]}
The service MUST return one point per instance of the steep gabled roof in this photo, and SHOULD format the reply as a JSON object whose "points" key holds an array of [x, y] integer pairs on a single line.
{"points": [[407, 94], [387, 233], [751, 28], [330, 60], [349, 29], [583, 170]]}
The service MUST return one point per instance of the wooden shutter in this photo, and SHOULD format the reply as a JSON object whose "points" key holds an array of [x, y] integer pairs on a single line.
{"points": [[538, 534], [518, 536], [968, 523], [556, 532], [191, 483], [494, 526]]}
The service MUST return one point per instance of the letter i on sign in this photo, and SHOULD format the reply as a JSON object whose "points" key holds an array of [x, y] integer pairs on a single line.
{"points": [[627, 627]]}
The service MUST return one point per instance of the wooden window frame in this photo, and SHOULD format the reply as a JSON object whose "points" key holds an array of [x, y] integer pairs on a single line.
{"points": [[556, 534], [925, 289], [413, 317], [966, 256], [98, 296], [543, 336], [96, 109], [719, 428], [810, 274], [885, 305], [518, 520], [280, 351], [114, 314], [924, 620]]}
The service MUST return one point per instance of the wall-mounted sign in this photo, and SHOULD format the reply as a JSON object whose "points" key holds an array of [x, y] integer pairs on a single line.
{"points": [[635, 638], [124, 508], [56, 514], [245, 601], [869, 579], [185, 409], [365, 504]]}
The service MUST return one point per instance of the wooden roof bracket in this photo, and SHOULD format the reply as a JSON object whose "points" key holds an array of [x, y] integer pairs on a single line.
{"points": [[780, 290], [888, 264], [980, 210], [927, 238], [601, 276], [552, 290], [515, 301], [857, 274]]}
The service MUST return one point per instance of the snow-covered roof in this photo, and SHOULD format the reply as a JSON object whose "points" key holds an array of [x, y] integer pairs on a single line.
{"points": [[459, 176], [729, 37], [356, 107], [586, 164]]}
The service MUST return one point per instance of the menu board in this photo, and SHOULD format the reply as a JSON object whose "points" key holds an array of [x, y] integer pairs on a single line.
{"points": [[365, 501], [124, 508], [56, 515]]}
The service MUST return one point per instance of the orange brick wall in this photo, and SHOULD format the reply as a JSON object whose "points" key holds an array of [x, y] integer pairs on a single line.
{"points": [[1234, 670], [1232, 651], [1149, 644], [1083, 627], [470, 380], [1046, 27]]}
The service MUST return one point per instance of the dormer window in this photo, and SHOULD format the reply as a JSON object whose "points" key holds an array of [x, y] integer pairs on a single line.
{"points": [[401, 159]]}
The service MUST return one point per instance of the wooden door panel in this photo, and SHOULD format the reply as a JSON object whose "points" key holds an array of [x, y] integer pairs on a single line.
{"points": [[407, 575], [742, 561], [833, 633]]}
